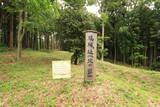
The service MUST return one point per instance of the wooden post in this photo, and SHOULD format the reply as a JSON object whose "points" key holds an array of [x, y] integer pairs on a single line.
{"points": [[90, 55]]}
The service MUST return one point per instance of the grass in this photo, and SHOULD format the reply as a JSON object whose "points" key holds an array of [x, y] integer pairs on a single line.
{"points": [[29, 83]]}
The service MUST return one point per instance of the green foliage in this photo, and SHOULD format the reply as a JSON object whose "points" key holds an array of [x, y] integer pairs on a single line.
{"points": [[78, 56], [131, 23], [100, 39], [104, 17], [132, 26], [124, 40], [70, 25], [3, 49], [136, 56], [156, 66], [76, 4], [99, 49], [41, 13], [91, 2]]}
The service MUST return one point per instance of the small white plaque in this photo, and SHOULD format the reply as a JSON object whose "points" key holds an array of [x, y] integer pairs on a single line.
{"points": [[61, 69]]}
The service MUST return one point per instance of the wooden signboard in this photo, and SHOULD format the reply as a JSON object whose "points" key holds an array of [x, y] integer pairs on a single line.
{"points": [[90, 55], [61, 69]]}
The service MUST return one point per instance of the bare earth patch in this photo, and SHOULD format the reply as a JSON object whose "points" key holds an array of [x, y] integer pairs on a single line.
{"points": [[97, 95]]}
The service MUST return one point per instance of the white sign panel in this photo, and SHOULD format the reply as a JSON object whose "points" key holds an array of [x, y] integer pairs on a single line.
{"points": [[61, 69]]}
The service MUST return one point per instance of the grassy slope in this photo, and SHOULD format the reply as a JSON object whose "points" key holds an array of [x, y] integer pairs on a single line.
{"points": [[29, 82]]}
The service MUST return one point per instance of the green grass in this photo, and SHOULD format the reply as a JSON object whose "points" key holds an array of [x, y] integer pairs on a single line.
{"points": [[29, 82]]}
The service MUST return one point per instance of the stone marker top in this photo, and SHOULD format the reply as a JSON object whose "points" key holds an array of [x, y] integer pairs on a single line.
{"points": [[93, 31]]}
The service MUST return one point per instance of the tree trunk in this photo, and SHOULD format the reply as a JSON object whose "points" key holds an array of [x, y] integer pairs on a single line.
{"points": [[32, 41], [155, 54], [0, 25], [124, 58], [42, 42], [51, 42], [19, 50], [38, 40], [28, 37], [21, 31], [132, 61], [11, 32], [19, 35], [145, 54], [102, 54], [115, 50], [47, 42], [151, 57]]}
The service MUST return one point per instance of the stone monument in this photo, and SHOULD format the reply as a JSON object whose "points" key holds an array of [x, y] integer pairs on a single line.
{"points": [[90, 55]]}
